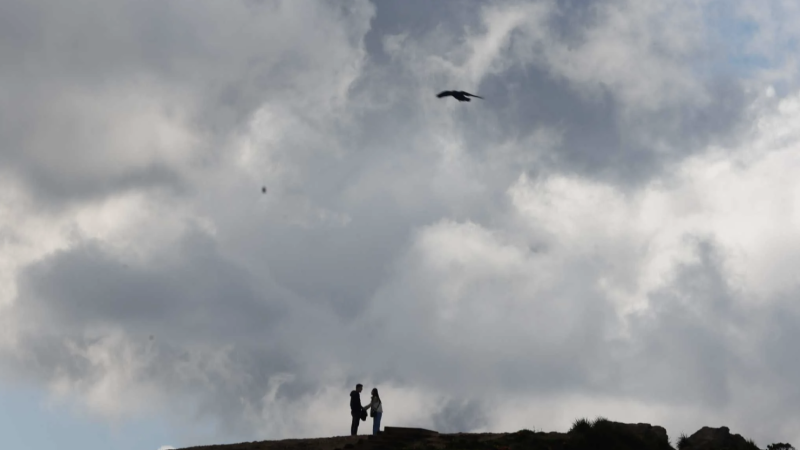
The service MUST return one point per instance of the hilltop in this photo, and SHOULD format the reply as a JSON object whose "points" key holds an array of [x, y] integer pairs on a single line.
{"points": [[600, 434]]}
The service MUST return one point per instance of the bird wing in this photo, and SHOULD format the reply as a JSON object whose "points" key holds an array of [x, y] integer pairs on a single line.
{"points": [[444, 94], [472, 95]]}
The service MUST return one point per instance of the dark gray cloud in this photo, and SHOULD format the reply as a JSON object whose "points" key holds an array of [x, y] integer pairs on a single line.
{"points": [[598, 140], [198, 293], [460, 417]]}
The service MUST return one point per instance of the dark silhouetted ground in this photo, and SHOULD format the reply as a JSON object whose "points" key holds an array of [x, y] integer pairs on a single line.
{"points": [[600, 434]]}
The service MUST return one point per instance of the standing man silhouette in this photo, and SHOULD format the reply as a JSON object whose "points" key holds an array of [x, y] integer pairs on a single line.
{"points": [[355, 409]]}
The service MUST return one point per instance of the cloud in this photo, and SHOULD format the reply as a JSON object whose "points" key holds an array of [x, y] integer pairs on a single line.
{"points": [[458, 416], [610, 231], [580, 72], [148, 92]]}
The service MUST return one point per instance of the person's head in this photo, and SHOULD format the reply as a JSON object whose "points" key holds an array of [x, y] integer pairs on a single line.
{"points": [[375, 392], [359, 387]]}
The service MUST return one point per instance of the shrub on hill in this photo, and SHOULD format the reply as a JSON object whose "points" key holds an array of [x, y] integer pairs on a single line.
{"points": [[602, 434], [780, 446]]}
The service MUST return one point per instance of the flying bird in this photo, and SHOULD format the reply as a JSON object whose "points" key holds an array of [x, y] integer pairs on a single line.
{"points": [[264, 190], [458, 95]]}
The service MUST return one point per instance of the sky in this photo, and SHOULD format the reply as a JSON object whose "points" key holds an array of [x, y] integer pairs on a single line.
{"points": [[612, 230]]}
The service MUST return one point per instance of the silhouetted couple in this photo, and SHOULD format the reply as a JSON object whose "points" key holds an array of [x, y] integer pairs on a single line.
{"points": [[359, 412]]}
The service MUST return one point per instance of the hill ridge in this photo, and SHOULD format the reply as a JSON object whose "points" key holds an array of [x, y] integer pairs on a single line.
{"points": [[600, 434]]}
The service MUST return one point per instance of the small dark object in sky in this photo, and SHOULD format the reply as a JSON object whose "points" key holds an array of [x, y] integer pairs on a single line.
{"points": [[264, 190], [458, 95], [151, 337]]}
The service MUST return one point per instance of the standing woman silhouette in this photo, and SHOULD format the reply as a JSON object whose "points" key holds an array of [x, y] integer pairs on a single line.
{"points": [[376, 411]]}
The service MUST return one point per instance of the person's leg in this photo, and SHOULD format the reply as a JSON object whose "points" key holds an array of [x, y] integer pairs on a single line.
{"points": [[354, 425], [376, 423]]}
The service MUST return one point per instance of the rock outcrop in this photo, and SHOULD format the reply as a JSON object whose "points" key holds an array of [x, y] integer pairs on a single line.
{"points": [[605, 434], [708, 438]]}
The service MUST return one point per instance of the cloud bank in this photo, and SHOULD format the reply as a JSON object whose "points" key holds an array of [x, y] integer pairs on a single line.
{"points": [[611, 231]]}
